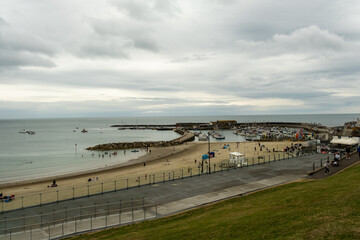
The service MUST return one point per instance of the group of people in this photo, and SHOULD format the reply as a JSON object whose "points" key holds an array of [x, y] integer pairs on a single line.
{"points": [[297, 146], [337, 156], [93, 179], [334, 163], [6, 198]]}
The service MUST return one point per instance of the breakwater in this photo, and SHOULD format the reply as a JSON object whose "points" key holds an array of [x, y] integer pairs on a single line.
{"points": [[225, 124], [186, 137]]}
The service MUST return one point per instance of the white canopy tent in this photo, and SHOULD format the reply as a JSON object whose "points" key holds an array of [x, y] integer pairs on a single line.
{"points": [[344, 141], [237, 158]]}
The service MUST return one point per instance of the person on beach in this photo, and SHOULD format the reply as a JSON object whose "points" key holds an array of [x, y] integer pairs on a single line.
{"points": [[53, 184], [327, 167]]}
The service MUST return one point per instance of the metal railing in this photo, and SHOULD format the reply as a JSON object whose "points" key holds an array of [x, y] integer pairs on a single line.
{"points": [[66, 222], [319, 164], [95, 188]]}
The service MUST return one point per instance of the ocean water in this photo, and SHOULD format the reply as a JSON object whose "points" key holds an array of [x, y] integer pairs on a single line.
{"points": [[56, 149]]}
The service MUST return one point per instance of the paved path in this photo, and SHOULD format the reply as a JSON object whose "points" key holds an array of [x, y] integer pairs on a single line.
{"points": [[179, 195], [343, 163]]}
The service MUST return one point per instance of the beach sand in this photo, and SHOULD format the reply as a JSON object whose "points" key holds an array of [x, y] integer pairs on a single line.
{"points": [[159, 160]]}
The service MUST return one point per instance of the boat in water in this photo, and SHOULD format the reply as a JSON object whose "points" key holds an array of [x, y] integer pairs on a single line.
{"points": [[217, 135], [27, 131], [84, 131], [202, 137]]}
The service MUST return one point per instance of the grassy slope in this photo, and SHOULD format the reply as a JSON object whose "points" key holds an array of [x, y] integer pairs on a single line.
{"points": [[323, 209]]}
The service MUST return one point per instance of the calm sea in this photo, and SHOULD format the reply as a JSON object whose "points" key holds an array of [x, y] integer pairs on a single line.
{"points": [[58, 146]]}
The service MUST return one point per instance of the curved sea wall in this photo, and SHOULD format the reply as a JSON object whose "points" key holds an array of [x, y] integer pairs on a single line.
{"points": [[186, 137]]}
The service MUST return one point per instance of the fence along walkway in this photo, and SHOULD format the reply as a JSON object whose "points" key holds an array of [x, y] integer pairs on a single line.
{"points": [[67, 222], [95, 188]]}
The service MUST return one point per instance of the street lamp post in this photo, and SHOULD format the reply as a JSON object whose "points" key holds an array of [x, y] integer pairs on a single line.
{"points": [[209, 152]]}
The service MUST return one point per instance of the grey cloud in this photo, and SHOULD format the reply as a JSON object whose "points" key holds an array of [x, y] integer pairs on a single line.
{"points": [[163, 88], [119, 30], [194, 57], [298, 51], [19, 48], [311, 40], [2, 21], [259, 20], [15, 59], [107, 48], [152, 10]]}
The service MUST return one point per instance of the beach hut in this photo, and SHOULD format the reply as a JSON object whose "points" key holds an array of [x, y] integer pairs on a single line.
{"points": [[237, 158]]}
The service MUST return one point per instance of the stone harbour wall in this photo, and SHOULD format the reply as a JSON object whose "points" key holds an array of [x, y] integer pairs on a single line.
{"points": [[186, 137]]}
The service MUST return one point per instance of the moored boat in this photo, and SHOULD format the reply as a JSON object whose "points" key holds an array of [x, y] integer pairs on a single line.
{"points": [[202, 137]]}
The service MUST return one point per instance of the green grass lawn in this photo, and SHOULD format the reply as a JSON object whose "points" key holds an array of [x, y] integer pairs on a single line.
{"points": [[322, 209]]}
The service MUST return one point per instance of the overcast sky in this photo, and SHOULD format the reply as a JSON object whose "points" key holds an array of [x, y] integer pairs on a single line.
{"points": [[192, 57]]}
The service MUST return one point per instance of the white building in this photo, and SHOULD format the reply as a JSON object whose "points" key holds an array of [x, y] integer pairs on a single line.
{"points": [[238, 159]]}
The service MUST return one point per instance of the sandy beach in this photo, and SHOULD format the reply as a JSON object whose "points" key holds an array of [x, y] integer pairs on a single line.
{"points": [[159, 159]]}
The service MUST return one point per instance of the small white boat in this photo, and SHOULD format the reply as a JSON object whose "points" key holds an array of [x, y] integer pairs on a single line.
{"points": [[27, 131], [202, 137], [219, 136]]}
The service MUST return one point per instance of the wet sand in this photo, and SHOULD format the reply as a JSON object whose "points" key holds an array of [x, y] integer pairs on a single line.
{"points": [[160, 159]]}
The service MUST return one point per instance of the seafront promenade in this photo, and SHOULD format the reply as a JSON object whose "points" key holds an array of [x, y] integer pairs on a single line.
{"points": [[154, 200]]}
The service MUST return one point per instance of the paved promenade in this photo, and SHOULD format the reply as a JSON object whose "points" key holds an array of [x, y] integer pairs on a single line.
{"points": [[179, 195]]}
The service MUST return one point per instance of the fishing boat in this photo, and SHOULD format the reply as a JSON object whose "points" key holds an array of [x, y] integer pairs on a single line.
{"points": [[84, 131], [216, 135], [219, 136]]}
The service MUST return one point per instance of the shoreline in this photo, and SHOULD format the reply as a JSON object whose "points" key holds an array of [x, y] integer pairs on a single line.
{"points": [[159, 160], [130, 163]]}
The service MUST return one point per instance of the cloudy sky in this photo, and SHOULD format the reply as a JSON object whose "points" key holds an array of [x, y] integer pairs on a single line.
{"points": [[190, 57]]}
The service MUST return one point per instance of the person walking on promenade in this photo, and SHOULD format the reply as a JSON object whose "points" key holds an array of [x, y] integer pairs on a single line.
{"points": [[327, 167], [347, 152], [358, 149]]}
